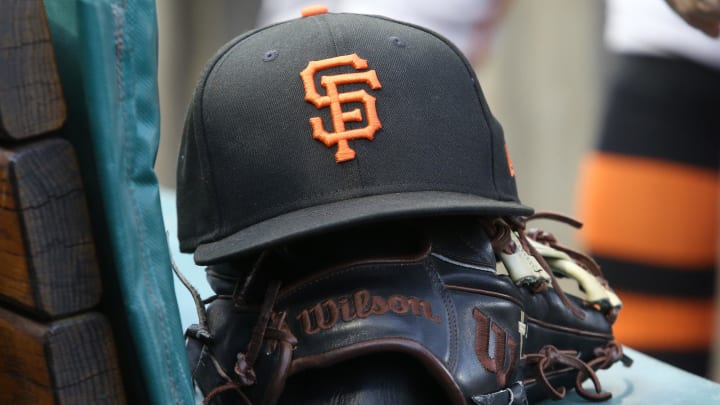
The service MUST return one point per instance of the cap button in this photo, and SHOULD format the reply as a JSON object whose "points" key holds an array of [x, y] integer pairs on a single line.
{"points": [[315, 9]]}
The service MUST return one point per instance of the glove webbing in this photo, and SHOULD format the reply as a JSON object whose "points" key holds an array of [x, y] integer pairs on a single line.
{"points": [[549, 239], [549, 357], [500, 232], [612, 309]]}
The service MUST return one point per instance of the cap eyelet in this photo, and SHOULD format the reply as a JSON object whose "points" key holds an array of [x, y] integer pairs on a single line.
{"points": [[270, 55], [397, 42]]}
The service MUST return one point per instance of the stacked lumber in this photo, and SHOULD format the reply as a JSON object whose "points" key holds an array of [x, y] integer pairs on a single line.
{"points": [[56, 345]]}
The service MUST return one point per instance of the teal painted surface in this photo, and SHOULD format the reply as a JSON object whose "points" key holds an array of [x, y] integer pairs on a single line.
{"points": [[184, 261], [106, 52], [649, 381]]}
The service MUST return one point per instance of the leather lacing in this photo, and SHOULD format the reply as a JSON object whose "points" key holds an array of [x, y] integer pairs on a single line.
{"points": [[500, 232], [585, 261], [549, 358], [271, 326], [549, 239]]}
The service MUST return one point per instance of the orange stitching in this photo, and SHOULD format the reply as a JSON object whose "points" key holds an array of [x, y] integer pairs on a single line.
{"points": [[334, 99]]}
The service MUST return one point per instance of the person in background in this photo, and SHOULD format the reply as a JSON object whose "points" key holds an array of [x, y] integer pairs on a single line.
{"points": [[648, 193], [469, 24]]}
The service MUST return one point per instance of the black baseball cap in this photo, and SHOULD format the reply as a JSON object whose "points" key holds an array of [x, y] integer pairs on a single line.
{"points": [[333, 120]]}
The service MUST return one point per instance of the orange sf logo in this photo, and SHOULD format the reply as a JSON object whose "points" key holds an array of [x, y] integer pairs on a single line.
{"points": [[334, 99]]}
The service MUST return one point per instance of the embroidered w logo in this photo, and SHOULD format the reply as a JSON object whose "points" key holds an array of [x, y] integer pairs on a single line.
{"points": [[495, 350], [334, 99]]}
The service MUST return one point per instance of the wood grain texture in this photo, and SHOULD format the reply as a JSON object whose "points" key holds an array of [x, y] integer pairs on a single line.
{"points": [[48, 263], [67, 361], [31, 100]]}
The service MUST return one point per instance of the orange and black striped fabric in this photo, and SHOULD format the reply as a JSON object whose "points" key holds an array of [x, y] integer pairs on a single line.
{"points": [[648, 196]]}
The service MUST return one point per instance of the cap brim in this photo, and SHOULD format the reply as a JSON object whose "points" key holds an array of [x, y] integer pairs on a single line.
{"points": [[316, 219]]}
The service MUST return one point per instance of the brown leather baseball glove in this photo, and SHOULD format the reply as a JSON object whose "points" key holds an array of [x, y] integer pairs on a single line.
{"points": [[569, 305], [400, 313], [456, 311]]}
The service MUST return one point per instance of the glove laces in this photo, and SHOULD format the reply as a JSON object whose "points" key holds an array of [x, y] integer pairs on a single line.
{"points": [[549, 358], [271, 327], [500, 233]]}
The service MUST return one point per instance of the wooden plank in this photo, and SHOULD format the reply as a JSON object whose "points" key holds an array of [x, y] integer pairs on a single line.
{"points": [[31, 100], [48, 263], [67, 361]]}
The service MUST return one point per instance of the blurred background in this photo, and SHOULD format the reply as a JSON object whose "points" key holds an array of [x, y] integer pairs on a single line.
{"points": [[544, 75]]}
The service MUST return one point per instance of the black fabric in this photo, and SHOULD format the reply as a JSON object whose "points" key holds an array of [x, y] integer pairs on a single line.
{"points": [[251, 175], [659, 280], [663, 108]]}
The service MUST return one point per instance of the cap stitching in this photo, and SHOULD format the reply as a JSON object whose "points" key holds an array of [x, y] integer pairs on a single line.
{"points": [[476, 85], [249, 246], [486, 114], [282, 209], [332, 34], [220, 58], [211, 69]]}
